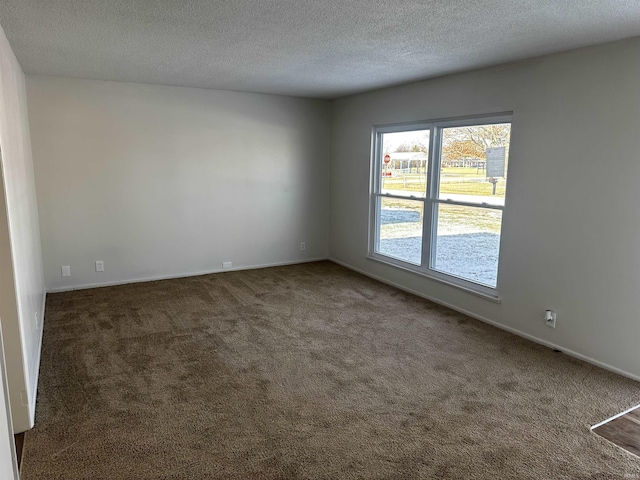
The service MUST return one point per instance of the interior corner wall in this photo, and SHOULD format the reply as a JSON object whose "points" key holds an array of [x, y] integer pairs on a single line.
{"points": [[570, 236], [159, 181], [22, 292]]}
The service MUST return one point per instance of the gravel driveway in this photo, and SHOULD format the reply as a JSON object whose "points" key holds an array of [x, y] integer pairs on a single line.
{"points": [[468, 253]]}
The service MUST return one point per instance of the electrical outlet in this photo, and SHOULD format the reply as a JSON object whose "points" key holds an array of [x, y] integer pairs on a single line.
{"points": [[66, 271], [99, 266], [227, 264], [37, 320], [303, 246], [550, 318]]}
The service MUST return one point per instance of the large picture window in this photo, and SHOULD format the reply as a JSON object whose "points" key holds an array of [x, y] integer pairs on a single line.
{"points": [[438, 193]]}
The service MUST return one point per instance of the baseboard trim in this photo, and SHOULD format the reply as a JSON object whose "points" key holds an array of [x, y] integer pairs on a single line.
{"points": [[501, 326], [183, 275]]}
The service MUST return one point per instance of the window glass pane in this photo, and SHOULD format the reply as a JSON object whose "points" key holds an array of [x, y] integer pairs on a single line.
{"points": [[474, 163], [404, 163], [468, 243], [400, 229]]}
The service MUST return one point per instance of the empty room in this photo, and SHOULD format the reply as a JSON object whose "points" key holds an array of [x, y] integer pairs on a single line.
{"points": [[319, 240]]}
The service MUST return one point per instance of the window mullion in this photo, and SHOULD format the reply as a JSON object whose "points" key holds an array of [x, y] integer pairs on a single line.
{"points": [[428, 204], [490, 206], [401, 197], [434, 191]]}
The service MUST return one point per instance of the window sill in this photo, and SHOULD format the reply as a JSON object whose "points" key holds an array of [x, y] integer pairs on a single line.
{"points": [[479, 290]]}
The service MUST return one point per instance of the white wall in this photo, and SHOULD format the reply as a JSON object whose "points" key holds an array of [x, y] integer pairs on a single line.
{"points": [[22, 290], [571, 229], [165, 181]]}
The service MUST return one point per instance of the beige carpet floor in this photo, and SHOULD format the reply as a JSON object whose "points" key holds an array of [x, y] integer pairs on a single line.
{"points": [[307, 371]]}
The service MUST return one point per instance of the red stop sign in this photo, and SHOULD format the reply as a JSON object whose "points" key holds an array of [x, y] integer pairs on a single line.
{"points": [[387, 158]]}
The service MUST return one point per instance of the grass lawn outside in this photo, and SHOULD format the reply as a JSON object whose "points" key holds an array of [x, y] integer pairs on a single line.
{"points": [[469, 181]]}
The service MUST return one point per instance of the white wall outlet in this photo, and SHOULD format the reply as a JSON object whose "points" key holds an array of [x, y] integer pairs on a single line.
{"points": [[550, 318], [66, 271], [227, 264], [303, 246], [99, 266], [37, 319]]}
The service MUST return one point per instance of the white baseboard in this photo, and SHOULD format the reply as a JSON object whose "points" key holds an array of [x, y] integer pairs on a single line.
{"points": [[182, 275], [501, 326]]}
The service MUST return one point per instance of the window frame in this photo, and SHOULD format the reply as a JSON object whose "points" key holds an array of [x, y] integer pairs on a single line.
{"points": [[429, 198]]}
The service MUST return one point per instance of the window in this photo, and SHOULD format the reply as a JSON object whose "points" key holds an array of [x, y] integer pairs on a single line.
{"points": [[438, 193]]}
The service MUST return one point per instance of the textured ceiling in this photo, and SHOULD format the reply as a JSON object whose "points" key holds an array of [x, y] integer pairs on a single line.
{"points": [[317, 48]]}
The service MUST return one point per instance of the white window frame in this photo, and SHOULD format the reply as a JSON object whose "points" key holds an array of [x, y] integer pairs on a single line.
{"points": [[430, 199]]}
